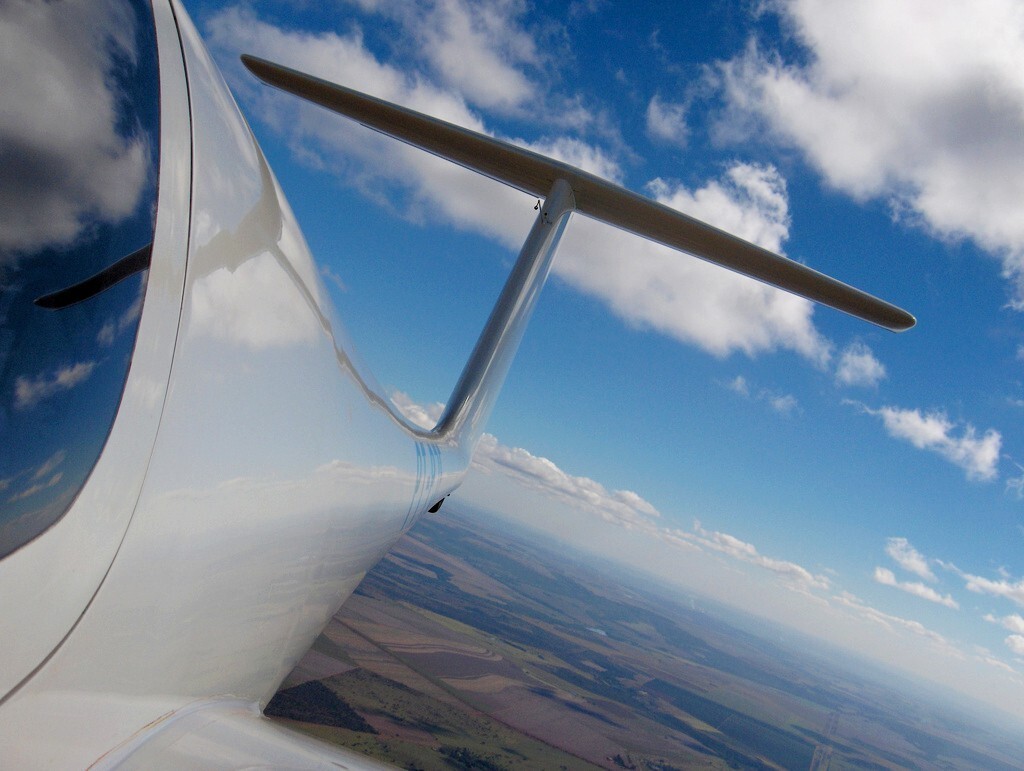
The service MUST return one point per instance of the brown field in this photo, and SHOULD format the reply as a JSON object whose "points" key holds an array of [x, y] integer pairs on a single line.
{"points": [[478, 648]]}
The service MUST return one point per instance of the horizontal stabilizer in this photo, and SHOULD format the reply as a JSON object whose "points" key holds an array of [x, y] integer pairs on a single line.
{"points": [[594, 197]]}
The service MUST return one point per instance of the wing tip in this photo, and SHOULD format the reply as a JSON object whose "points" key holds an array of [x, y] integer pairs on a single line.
{"points": [[903, 321]]}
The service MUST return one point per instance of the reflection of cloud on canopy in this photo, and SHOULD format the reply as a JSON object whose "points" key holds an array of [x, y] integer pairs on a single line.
{"points": [[50, 464], [38, 487], [418, 415], [64, 179], [321, 490], [29, 391], [39, 478], [256, 305], [114, 328]]}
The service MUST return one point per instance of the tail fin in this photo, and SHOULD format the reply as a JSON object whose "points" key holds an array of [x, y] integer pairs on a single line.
{"points": [[595, 197], [592, 196]]}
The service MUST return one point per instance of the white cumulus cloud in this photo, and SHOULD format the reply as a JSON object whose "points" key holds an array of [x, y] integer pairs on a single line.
{"points": [[1004, 587], [1014, 622], [893, 622], [917, 102], [858, 367], [695, 302], [666, 121], [886, 577], [784, 404], [486, 51], [909, 558], [977, 455], [475, 48]]}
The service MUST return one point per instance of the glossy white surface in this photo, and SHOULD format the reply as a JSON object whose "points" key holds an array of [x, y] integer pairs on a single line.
{"points": [[46, 585], [273, 485], [224, 735]]}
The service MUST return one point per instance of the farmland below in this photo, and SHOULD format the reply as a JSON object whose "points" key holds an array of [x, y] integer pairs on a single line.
{"points": [[474, 646]]}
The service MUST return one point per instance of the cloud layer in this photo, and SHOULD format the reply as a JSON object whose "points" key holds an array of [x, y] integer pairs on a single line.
{"points": [[911, 560], [627, 509], [1002, 587], [889, 621], [619, 507], [747, 552], [886, 577]]}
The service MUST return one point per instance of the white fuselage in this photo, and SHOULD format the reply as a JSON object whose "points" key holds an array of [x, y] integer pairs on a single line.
{"points": [[251, 478]]}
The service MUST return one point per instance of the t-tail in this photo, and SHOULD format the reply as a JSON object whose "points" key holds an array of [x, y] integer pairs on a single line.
{"points": [[565, 189]]}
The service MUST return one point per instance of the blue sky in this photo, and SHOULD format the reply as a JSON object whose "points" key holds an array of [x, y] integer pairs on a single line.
{"points": [[856, 484]]}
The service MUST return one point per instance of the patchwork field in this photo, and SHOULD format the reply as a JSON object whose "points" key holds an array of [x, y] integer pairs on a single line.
{"points": [[472, 646]]}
